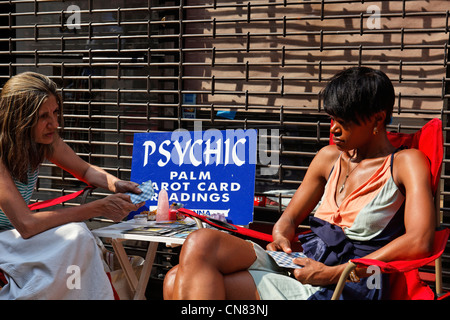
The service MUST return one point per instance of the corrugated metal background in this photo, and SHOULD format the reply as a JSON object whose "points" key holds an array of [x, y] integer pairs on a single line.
{"points": [[137, 66]]}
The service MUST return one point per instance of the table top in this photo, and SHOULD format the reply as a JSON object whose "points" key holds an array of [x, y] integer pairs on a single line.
{"points": [[119, 231]]}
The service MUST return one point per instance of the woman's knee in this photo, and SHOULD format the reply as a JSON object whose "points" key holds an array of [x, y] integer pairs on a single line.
{"points": [[168, 284], [216, 248], [73, 230], [78, 235], [200, 242]]}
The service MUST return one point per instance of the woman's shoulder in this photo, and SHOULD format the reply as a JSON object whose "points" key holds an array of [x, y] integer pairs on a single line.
{"points": [[410, 155], [411, 163], [325, 160], [329, 153]]}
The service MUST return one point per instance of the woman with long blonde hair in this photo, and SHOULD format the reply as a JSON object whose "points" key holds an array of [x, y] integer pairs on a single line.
{"points": [[38, 249]]}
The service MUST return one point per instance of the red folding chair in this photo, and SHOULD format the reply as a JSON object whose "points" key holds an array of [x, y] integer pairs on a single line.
{"points": [[405, 277]]}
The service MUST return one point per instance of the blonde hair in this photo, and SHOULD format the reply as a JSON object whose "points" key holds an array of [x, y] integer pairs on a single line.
{"points": [[20, 100]]}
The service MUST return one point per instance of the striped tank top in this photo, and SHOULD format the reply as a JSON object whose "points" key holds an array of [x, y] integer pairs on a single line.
{"points": [[369, 210], [26, 190]]}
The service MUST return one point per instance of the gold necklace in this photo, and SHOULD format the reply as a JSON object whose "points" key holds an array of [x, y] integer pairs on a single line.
{"points": [[348, 173]]}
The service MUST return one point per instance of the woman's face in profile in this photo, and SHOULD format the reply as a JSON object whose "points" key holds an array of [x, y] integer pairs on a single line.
{"points": [[46, 127]]}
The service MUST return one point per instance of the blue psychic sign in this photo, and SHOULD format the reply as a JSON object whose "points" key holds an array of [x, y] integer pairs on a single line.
{"points": [[209, 172]]}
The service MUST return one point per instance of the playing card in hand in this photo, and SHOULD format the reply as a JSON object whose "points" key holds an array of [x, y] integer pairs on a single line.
{"points": [[284, 259], [146, 194]]}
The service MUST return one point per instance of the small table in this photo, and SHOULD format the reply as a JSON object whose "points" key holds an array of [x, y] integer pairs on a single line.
{"points": [[116, 233]]}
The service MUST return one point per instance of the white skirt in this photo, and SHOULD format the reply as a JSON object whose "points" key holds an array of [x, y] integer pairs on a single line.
{"points": [[61, 263]]}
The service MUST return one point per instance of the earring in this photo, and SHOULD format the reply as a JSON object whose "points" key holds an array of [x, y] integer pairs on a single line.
{"points": [[375, 131]]}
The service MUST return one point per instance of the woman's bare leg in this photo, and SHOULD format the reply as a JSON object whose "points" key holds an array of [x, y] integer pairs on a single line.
{"points": [[238, 285], [212, 265], [169, 281]]}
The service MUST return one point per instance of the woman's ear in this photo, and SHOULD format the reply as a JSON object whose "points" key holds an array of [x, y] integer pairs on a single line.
{"points": [[378, 121], [379, 118]]}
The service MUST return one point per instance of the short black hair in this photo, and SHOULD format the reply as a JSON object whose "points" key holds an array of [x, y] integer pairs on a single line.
{"points": [[357, 93]]}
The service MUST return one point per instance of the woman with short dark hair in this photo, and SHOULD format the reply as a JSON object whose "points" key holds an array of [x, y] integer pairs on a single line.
{"points": [[371, 201]]}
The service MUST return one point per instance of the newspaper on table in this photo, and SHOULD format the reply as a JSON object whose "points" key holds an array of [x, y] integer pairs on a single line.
{"points": [[180, 229]]}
